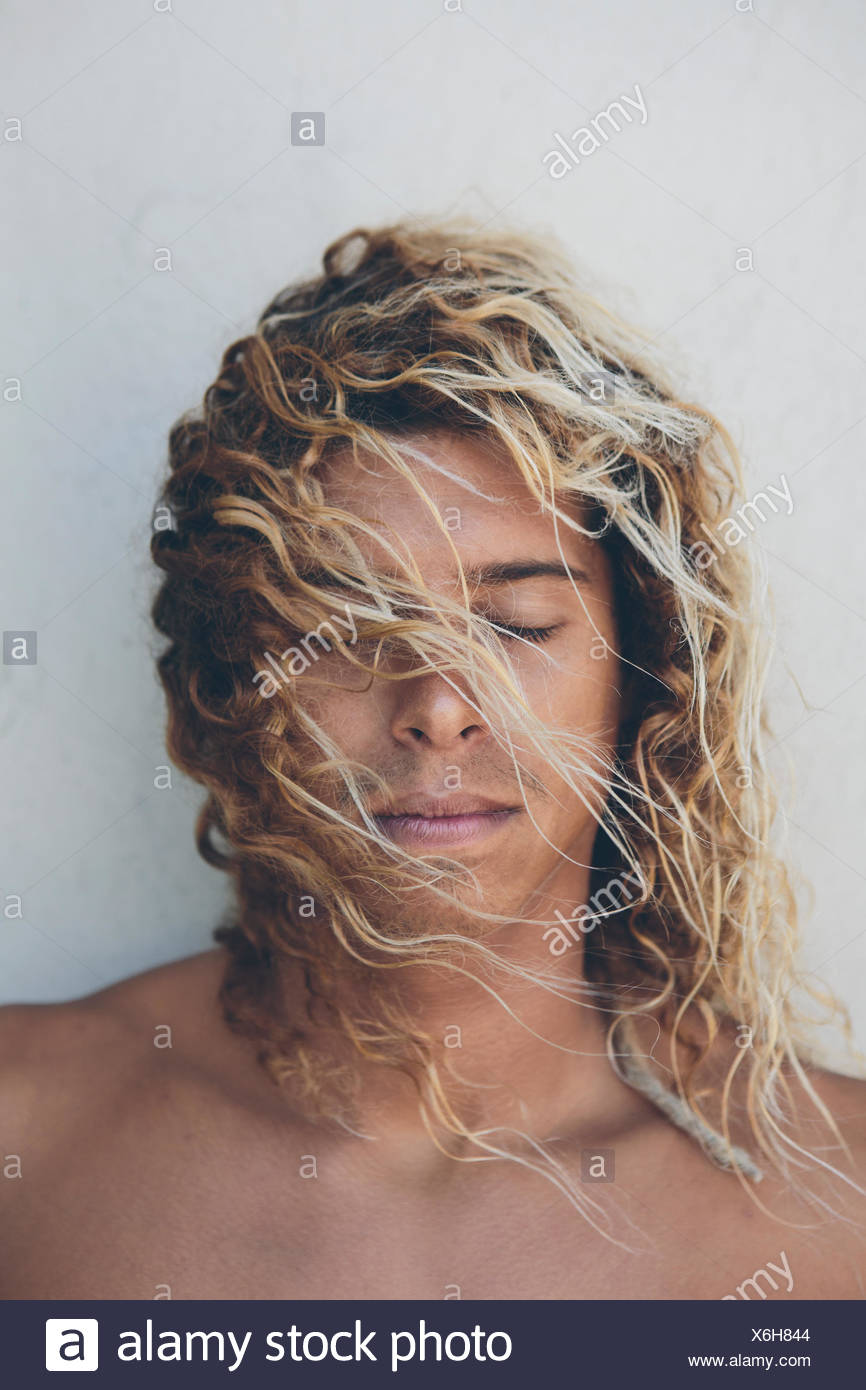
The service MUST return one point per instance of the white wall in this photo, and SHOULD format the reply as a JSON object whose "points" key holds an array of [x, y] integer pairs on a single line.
{"points": [[143, 129]]}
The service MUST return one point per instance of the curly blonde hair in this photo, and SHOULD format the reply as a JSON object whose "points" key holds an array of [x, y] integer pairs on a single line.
{"points": [[410, 328]]}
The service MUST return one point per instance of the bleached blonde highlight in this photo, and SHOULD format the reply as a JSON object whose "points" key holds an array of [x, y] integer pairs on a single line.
{"points": [[397, 339]]}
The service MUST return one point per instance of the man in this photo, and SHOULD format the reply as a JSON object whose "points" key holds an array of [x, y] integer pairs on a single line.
{"points": [[502, 1010]]}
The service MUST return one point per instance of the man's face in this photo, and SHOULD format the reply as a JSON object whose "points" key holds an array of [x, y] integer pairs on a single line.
{"points": [[423, 736]]}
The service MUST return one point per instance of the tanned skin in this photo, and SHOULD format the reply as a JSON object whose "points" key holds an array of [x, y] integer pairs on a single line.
{"points": [[185, 1166]]}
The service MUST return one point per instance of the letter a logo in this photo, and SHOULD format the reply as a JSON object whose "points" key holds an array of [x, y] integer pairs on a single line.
{"points": [[71, 1344]]}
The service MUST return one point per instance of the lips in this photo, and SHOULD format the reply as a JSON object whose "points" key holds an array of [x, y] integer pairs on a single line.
{"points": [[435, 807], [451, 820]]}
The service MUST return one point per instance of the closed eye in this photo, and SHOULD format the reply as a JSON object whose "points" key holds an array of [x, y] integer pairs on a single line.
{"points": [[529, 634]]}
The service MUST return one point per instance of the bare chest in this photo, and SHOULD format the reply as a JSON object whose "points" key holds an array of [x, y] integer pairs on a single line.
{"points": [[182, 1221]]}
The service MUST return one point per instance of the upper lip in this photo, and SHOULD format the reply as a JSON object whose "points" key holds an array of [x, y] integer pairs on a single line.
{"points": [[436, 806]]}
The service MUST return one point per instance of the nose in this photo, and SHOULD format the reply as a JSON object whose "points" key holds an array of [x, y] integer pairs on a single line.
{"points": [[432, 713]]}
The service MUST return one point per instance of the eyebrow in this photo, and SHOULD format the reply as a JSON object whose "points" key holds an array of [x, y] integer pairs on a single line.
{"points": [[482, 576], [511, 571]]}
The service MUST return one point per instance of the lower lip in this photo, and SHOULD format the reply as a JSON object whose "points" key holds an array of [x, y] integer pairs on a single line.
{"points": [[443, 830]]}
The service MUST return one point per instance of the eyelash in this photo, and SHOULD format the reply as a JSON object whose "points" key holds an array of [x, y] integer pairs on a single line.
{"points": [[531, 634], [534, 634]]}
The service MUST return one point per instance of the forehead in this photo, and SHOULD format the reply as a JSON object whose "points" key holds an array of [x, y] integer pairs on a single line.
{"points": [[486, 507]]}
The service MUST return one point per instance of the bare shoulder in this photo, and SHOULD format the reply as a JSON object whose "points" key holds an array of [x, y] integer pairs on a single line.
{"points": [[818, 1183], [845, 1099], [830, 1199], [64, 1057], [116, 1113], [846, 1093]]}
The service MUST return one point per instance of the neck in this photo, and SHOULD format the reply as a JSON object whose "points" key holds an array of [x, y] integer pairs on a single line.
{"points": [[534, 1047]]}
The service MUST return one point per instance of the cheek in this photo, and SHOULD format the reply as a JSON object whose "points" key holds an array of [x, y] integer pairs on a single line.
{"points": [[347, 712], [574, 682], [580, 696]]}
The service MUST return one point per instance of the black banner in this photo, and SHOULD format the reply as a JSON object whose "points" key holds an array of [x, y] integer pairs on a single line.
{"points": [[409, 1344]]}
